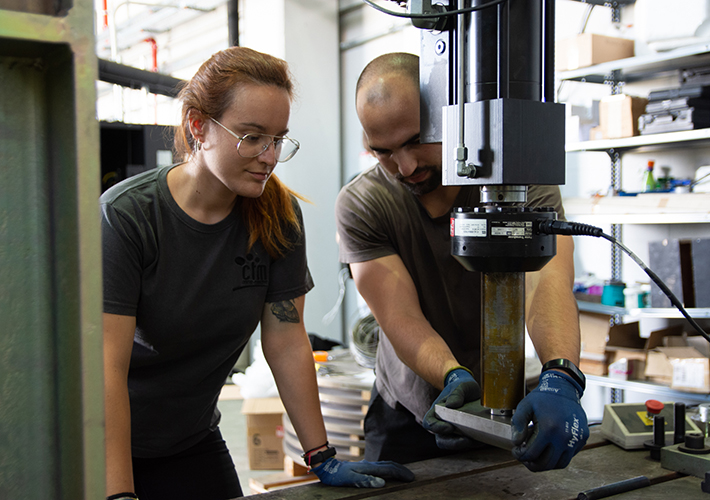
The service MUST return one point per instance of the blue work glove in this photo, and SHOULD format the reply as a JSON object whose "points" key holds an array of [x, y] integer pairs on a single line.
{"points": [[334, 472], [459, 388], [559, 428]]}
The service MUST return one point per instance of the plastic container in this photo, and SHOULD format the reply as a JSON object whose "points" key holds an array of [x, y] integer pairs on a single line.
{"points": [[613, 293], [649, 182]]}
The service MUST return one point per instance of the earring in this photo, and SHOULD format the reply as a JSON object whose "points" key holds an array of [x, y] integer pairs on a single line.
{"points": [[198, 145]]}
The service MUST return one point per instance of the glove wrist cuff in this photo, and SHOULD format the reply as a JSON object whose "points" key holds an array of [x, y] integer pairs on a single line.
{"points": [[563, 376], [451, 370], [569, 368]]}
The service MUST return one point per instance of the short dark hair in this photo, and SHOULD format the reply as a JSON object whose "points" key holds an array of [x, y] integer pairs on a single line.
{"points": [[401, 63]]}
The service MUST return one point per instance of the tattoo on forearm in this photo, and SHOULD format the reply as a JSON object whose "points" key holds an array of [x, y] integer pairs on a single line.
{"points": [[285, 311]]}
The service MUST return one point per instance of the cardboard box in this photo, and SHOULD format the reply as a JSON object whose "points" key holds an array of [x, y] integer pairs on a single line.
{"points": [[588, 49], [265, 433], [682, 368], [594, 329], [626, 352], [604, 345], [596, 133], [627, 369], [619, 115]]}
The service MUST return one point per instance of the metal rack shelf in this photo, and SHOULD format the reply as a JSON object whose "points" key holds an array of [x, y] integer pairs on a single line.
{"points": [[667, 140], [659, 392], [642, 67], [646, 312]]}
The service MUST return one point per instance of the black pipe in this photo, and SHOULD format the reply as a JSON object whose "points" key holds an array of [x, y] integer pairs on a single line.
{"points": [[504, 50], [233, 22], [548, 83], [523, 57], [615, 488], [678, 423], [134, 78]]}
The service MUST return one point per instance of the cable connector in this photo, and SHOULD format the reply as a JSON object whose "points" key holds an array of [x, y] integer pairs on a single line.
{"points": [[570, 228]]}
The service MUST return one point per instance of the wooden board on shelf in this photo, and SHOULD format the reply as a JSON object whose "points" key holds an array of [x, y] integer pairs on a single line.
{"points": [[645, 208]]}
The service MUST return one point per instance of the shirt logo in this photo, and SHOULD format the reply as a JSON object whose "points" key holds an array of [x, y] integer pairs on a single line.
{"points": [[251, 271]]}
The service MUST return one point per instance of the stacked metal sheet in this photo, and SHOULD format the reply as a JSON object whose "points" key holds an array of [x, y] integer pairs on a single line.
{"points": [[673, 110]]}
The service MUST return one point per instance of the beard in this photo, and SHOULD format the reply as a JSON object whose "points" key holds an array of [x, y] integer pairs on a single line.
{"points": [[426, 186]]}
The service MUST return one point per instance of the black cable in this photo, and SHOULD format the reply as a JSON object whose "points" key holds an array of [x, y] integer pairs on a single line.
{"points": [[433, 14], [579, 229]]}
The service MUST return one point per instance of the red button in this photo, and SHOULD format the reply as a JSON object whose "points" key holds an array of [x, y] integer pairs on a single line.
{"points": [[654, 407]]}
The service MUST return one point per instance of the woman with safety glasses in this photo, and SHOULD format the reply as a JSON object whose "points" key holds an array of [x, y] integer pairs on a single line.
{"points": [[195, 256]]}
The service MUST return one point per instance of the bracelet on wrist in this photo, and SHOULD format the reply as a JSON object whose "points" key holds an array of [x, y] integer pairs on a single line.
{"points": [[127, 495], [569, 368], [315, 457]]}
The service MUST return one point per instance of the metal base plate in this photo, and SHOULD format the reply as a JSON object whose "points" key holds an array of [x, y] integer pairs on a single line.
{"points": [[476, 422], [674, 459]]}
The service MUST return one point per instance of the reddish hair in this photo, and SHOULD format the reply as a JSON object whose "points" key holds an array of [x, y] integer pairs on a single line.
{"points": [[210, 92]]}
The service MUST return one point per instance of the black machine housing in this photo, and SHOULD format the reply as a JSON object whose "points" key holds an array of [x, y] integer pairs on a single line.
{"points": [[513, 131]]}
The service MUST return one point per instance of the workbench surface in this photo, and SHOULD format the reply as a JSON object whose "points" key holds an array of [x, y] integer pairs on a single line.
{"points": [[492, 473]]}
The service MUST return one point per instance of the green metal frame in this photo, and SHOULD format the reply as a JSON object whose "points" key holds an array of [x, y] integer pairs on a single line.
{"points": [[51, 361]]}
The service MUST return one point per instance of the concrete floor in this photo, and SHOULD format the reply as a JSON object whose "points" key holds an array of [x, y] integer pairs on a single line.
{"points": [[234, 431]]}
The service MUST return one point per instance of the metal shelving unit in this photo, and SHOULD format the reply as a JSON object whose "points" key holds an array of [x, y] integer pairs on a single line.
{"points": [[633, 69], [659, 392], [647, 208], [642, 312], [665, 141]]}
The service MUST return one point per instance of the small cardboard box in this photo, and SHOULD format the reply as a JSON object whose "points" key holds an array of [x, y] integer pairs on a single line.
{"points": [[588, 49], [619, 115], [682, 368], [604, 345], [265, 433], [627, 369], [594, 329], [626, 352]]}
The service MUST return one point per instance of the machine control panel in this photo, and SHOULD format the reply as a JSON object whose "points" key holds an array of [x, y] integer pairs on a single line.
{"points": [[629, 425]]}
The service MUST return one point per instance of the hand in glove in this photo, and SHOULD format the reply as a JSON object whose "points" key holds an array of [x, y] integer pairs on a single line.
{"points": [[560, 425], [362, 474], [459, 388]]}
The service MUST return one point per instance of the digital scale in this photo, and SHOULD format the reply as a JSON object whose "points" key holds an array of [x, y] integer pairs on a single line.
{"points": [[629, 425]]}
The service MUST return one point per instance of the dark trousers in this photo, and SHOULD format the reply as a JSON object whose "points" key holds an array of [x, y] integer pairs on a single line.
{"points": [[205, 471], [394, 434]]}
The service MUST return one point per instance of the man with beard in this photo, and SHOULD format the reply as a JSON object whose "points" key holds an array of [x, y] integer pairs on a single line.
{"points": [[393, 225]]}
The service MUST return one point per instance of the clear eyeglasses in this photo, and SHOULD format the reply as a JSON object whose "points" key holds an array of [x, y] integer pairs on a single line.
{"points": [[252, 145]]}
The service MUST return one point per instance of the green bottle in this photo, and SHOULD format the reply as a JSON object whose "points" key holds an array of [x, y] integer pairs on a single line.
{"points": [[649, 182]]}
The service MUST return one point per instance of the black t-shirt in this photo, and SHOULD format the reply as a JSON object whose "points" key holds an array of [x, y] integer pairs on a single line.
{"points": [[197, 294]]}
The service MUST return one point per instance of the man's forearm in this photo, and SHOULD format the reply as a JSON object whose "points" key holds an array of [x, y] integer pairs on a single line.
{"points": [[389, 291]]}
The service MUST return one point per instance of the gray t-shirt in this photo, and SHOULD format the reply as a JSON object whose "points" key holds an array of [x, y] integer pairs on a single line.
{"points": [[376, 216], [197, 294]]}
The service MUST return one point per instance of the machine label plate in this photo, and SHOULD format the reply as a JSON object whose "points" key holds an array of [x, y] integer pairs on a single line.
{"points": [[512, 229], [475, 228]]}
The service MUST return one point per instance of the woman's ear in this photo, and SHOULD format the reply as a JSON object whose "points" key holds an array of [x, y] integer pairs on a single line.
{"points": [[197, 122]]}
